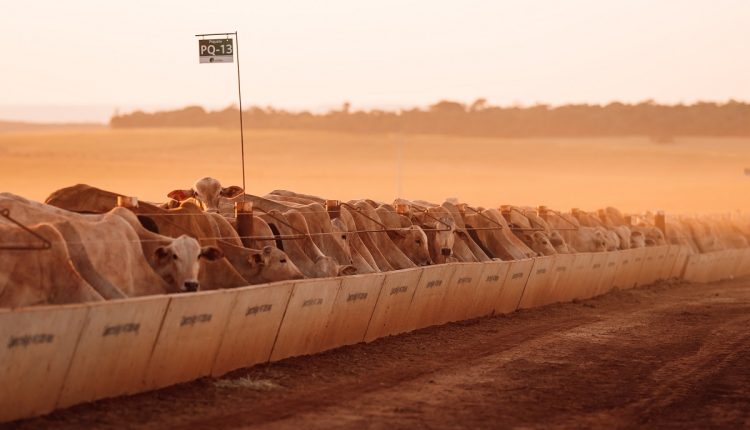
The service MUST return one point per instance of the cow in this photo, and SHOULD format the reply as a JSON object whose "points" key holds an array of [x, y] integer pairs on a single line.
{"points": [[561, 246], [637, 239], [623, 234], [31, 277], [209, 192], [652, 235], [409, 238], [534, 231], [466, 248]]}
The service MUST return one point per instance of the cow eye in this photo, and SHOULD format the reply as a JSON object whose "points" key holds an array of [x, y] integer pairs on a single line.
{"points": [[419, 241], [174, 256], [283, 260], [343, 236]]}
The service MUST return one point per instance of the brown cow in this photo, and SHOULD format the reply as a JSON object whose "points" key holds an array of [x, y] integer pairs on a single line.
{"points": [[38, 277]]}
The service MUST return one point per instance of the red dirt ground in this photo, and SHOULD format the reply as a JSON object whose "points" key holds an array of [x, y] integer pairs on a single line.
{"points": [[666, 356]]}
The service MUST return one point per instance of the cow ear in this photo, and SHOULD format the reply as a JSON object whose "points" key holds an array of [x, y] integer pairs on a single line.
{"points": [[401, 232], [181, 195], [231, 192], [162, 252], [211, 253]]}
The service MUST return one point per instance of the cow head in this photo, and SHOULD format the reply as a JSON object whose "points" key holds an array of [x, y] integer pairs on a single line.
{"points": [[539, 243], [342, 236], [178, 263], [623, 233], [654, 236], [557, 241], [590, 239], [209, 192], [599, 242], [273, 265], [637, 240], [611, 240], [413, 242], [443, 238], [328, 267]]}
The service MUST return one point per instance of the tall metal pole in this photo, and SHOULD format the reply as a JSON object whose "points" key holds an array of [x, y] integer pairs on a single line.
{"points": [[399, 165], [239, 92]]}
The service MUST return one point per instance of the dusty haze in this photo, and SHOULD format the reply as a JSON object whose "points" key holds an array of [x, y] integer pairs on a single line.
{"points": [[634, 174]]}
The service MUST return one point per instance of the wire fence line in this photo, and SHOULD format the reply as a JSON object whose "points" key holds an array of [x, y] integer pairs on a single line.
{"points": [[300, 236]]}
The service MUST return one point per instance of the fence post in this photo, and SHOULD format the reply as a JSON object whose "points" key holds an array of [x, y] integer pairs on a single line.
{"points": [[243, 212], [661, 222], [333, 207], [543, 212], [127, 202]]}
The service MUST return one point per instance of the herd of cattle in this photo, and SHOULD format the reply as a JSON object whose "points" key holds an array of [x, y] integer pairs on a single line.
{"points": [[80, 245]]}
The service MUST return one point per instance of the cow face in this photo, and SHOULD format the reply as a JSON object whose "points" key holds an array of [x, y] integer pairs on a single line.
{"points": [[413, 242], [274, 265], [444, 239], [655, 236], [179, 262], [341, 236], [623, 233], [611, 240], [208, 191], [327, 267], [637, 240], [599, 242], [590, 240], [558, 243], [539, 243]]}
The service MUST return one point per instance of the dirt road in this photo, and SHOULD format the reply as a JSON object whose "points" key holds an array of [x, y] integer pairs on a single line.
{"points": [[664, 356]]}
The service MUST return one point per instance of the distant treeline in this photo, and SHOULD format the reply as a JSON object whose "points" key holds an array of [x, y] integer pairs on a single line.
{"points": [[660, 122]]}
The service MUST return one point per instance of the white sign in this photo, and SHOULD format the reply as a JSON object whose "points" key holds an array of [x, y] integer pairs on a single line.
{"points": [[216, 50]]}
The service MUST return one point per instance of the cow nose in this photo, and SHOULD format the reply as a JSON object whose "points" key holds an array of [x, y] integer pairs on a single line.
{"points": [[446, 252], [191, 286]]}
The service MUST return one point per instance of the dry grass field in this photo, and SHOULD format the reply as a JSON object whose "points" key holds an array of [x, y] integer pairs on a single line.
{"points": [[688, 175]]}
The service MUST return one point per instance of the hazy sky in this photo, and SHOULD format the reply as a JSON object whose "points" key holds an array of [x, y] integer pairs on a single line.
{"points": [[99, 55]]}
